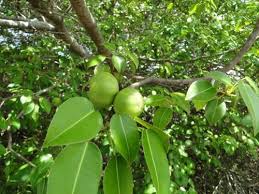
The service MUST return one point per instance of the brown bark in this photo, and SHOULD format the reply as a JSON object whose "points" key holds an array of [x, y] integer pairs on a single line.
{"points": [[62, 32], [27, 24], [86, 19]]}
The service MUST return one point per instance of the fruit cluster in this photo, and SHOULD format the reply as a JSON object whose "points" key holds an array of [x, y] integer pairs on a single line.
{"points": [[104, 90]]}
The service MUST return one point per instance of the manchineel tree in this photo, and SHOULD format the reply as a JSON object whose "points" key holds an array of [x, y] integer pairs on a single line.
{"points": [[155, 97]]}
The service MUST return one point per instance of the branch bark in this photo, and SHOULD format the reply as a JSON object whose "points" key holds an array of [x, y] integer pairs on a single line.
{"points": [[164, 82], [182, 82], [86, 19], [33, 24], [59, 25]]}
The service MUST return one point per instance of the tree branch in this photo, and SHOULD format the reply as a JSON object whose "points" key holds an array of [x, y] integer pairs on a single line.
{"points": [[10, 148], [164, 82], [186, 61], [58, 23], [182, 82], [248, 44], [86, 19], [33, 24]]}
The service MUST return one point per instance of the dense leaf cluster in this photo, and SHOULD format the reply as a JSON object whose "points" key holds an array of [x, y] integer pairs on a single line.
{"points": [[185, 135]]}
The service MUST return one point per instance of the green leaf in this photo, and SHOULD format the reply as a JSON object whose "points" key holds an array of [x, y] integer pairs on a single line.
{"points": [[2, 150], [28, 108], [124, 132], [134, 58], [25, 99], [199, 104], [247, 121], [42, 187], [118, 177], [75, 121], [45, 104], [102, 68], [179, 100], [201, 90], [119, 63], [35, 113], [162, 117], [161, 134], [193, 9], [252, 102], [158, 100], [215, 110], [77, 170], [95, 60], [3, 123], [165, 139], [220, 76], [252, 84], [15, 123], [170, 6], [156, 160]]}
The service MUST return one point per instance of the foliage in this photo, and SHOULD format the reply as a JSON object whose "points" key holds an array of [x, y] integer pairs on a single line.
{"points": [[52, 134]]}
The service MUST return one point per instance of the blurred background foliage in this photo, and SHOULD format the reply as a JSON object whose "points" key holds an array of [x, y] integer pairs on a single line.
{"points": [[170, 39]]}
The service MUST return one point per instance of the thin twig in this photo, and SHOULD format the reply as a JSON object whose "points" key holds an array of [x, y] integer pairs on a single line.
{"points": [[10, 145], [34, 94], [18, 155], [181, 82]]}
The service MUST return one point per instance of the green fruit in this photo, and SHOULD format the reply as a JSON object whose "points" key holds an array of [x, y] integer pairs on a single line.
{"points": [[103, 88], [56, 101], [129, 101]]}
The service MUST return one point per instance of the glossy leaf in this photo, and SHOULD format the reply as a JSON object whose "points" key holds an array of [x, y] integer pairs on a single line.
{"points": [[252, 84], [25, 99], [156, 160], [28, 108], [102, 68], [215, 110], [118, 177], [95, 60], [201, 90], [220, 76], [45, 104], [75, 121], [134, 58], [199, 105], [77, 170], [162, 117], [179, 100], [125, 135], [158, 100], [119, 63], [252, 102], [161, 134]]}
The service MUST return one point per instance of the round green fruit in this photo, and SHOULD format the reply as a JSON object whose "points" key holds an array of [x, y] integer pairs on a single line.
{"points": [[56, 101], [103, 88], [129, 101]]}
